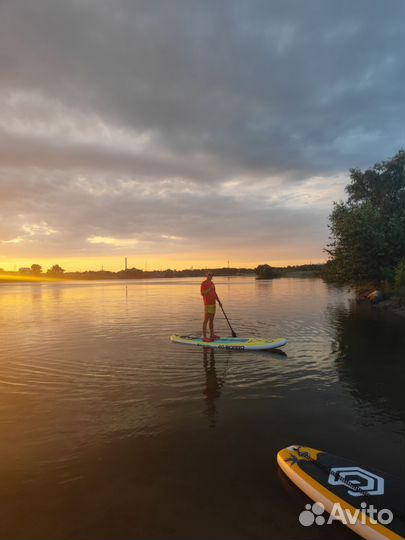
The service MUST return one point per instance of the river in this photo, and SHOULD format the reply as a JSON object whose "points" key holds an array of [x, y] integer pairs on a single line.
{"points": [[109, 430]]}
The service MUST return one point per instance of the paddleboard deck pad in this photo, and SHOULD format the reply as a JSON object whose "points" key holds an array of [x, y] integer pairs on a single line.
{"points": [[239, 344], [336, 482]]}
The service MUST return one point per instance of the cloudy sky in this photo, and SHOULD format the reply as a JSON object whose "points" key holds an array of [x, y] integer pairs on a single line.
{"points": [[188, 133]]}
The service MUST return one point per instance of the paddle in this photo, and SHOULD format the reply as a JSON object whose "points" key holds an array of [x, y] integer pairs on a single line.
{"points": [[227, 320]]}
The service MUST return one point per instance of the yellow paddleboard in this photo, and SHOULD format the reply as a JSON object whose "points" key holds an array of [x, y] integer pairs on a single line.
{"points": [[238, 344], [362, 498]]}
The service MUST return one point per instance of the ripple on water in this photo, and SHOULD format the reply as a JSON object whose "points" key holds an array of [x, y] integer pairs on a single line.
{"points": [[98, 356]]}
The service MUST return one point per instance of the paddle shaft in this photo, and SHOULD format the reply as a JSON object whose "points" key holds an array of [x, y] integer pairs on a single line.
{"points": [[227, 320]]}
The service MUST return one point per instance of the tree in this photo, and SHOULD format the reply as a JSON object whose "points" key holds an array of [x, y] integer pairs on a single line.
{"points": [[130, 273], [368, 230], [264, 271], [55, 270], [36, 268], [382, 186]]}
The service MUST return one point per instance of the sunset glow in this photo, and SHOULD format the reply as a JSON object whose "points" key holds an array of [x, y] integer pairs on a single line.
{"points": [[182, 149]]}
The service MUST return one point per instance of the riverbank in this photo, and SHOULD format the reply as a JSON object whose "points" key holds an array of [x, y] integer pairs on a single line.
{"points": [[301, 274], [141, 275], [131, 273], [385, 297], [392, 306], [35, 274]]}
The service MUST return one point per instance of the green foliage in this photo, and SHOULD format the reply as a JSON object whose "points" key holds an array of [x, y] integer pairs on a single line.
{"points": [[36, 269], [130, 273], [55, 270], [265, 271], [368, 231], [382, 186], [399, 274]]}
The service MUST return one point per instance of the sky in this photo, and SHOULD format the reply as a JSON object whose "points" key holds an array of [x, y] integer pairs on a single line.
{"points": [[183, 133]]}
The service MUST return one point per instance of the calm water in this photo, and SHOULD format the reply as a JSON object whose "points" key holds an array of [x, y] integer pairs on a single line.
{"points": [[109, 430]]}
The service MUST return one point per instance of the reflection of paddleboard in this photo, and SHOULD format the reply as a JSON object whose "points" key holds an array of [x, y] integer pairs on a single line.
{"points": [[239, 344], [329, 479]]}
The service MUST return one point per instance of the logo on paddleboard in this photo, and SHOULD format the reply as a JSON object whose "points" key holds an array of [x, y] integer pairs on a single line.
{"points": [[232, 347], [359, 481]]}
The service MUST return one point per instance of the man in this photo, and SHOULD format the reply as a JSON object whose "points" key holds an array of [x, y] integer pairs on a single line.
{"points": [[210, 298]]}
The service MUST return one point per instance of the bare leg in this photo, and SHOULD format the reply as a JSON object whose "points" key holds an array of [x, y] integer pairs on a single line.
{"points": [[211, 324], [205, 325]]}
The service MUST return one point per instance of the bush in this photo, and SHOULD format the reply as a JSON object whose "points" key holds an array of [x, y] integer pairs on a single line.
{"points": [[264, 271], [399, 275]]}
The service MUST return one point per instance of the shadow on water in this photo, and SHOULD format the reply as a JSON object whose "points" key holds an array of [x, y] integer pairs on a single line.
{"points": [[277, 352], [369, 348]]}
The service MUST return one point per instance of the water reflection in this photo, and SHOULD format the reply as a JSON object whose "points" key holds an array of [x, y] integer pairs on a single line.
{"points": [[369, 349], [213, 384], [92, 389]]}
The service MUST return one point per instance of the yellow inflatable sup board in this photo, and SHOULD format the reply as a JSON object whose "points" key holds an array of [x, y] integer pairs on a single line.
{"points": [[368, 501], [230, 343]]}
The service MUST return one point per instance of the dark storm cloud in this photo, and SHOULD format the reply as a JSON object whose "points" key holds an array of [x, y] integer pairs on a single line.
{"points": [[260, 85], [22, 151], [272, 93]]}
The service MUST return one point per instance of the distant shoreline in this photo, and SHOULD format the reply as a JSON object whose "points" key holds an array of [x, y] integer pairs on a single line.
{"points": [[135, 274]]}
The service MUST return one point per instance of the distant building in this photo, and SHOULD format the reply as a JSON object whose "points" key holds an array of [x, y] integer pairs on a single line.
{"points": [[24, 270]]}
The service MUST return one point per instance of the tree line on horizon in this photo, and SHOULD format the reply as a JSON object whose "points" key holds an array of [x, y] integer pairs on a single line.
{"points": [[263, 271], [58, 271], [36, 270]]}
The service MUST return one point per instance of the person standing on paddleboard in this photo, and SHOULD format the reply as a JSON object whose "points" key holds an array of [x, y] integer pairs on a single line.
{"points": [[210, 298]]}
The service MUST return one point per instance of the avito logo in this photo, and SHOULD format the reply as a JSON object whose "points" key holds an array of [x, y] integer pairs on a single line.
{"points": [[365, 515]]}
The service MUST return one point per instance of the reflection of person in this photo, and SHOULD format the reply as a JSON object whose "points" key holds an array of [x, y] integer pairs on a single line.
{"points": [[210, 298], [212, 386]]}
